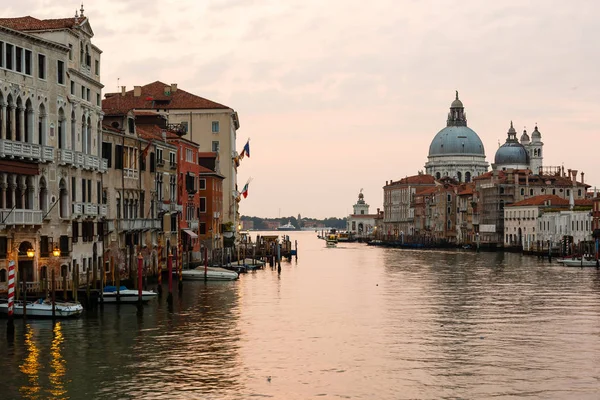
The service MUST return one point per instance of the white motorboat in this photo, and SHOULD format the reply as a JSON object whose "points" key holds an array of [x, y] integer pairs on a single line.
{"points": [[109, 295], [43, 308], [211, 274], [286, 227], [578, 262]]}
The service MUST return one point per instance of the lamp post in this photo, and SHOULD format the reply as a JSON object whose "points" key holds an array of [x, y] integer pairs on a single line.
{"points": [[140, 305], [56, 254], [30, 254]]}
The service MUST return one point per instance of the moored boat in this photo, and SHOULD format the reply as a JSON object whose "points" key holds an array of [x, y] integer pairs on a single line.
{"points": [[109, 295], [43, 308], [578, 262], [209, 273]]}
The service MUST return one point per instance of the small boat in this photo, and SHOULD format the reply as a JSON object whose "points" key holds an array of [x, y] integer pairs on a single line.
{"points": [[578, 262], [43, 308], [211, 274], [109, 295], [286, 227], [331, 240]]}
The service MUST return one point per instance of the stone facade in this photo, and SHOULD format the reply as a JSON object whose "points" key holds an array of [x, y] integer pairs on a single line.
{"points": [[50, 164]]}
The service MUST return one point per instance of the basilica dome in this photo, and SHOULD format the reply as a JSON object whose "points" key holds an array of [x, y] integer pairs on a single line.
{"points": [[456, 140], [456, 151], [512, 152]]}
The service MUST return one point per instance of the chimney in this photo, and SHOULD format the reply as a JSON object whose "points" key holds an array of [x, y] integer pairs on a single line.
{"points": [[164, 134], [173, 87], [378, 211], [137, 91], [582, 181], [574, 177], [123, 90]]}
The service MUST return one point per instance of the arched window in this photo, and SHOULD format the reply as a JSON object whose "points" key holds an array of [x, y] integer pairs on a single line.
{"points": [[42, 128], [43, 195], [18, 126], [9, 117], [522, 191], [62, 137], [437, 175], [84, 136], [467, 176], [89, 135], [459, 176], [29, 122], [73, 131], [63, 199], [29, 193]]}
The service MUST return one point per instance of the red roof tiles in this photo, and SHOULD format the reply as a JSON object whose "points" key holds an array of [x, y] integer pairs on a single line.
{"points": [[29, 23], [153, 97], [541, 200]]}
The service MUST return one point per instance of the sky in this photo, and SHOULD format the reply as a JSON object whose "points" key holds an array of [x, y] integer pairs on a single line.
{"points": [[342, 95]]}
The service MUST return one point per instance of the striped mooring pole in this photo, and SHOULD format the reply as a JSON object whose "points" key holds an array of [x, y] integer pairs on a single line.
{"points": [[10, 328]]}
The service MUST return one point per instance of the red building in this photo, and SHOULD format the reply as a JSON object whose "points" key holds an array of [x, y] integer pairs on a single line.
{"points": [[210, 192]]}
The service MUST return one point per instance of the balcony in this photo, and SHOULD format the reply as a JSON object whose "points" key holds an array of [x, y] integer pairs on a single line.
{"points": [[20, 217], [172, 165], [169, 207], [26, 151], [131, 173], [78, 209], [103, 210], [193, 224], [90, 209], [77, 159], [160, 162], [139, 224]]}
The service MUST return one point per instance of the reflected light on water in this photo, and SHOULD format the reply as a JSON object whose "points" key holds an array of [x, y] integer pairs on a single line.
{"points": [[30, 366], [58, 365]]}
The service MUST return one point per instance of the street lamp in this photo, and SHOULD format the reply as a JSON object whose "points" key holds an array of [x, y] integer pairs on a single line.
{"points": [[30, 252], [56, 252]]}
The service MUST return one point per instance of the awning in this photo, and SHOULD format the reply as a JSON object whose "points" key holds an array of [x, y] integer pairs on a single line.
{"points": [[190, 233]]}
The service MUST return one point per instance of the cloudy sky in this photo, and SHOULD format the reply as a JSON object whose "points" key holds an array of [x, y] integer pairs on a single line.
{"points": [[342, 95]]}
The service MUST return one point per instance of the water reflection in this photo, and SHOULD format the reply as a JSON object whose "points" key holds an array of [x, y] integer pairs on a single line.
{"points": [[348, 322], [57, 364], [30, 366]]}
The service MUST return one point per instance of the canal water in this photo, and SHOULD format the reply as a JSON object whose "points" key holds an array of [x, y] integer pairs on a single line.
{"points": [[352, 322]]}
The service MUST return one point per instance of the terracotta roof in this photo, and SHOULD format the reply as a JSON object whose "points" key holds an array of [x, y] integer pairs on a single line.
{"points": [[584, 202], [149, 132], [421, 179], [541, 200], [425, 191], [467, 190], [153, 97], [29, 23]]}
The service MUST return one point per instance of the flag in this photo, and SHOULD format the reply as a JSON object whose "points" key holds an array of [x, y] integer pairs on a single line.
{"points": [[247, 148], [145, 151], [244, 191]]}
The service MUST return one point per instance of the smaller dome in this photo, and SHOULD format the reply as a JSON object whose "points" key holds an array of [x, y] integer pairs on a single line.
{"points": [[511, 153], [524, 137], [536, 135], [457, 103]]}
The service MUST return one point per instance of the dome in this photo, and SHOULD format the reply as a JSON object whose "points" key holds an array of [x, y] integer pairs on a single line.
{"points": [[511, 153], [460, 140], [457, 103], [524, 137], [536, 136]]}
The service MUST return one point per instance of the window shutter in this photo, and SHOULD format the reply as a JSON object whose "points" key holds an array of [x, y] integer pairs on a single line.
{"points": [[118, 156]]}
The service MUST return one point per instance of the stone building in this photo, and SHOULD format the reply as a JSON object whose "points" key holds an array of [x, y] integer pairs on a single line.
{"points": [[212, 125], [360, 223], [456, 151], [50, 164], [524, 155], [398, 204]]}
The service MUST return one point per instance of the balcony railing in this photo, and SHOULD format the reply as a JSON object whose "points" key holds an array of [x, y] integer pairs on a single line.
{"points": [[172, 165], [91, 209], [77, 209], [138, 224], [131, 173], [103, 210], [170, 207], [193, 224], [80, 160], [26, 151], [20, 217]]}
